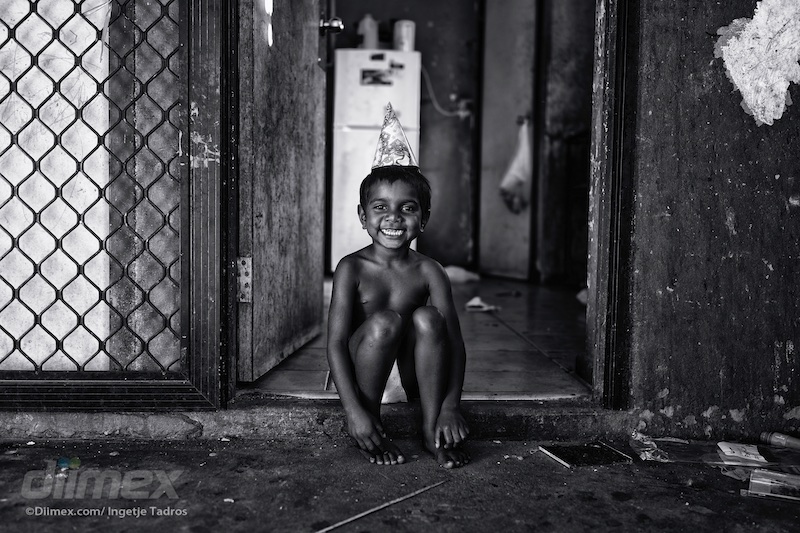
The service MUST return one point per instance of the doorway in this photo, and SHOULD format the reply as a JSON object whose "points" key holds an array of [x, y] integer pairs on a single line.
{"points": [[532, 347]]}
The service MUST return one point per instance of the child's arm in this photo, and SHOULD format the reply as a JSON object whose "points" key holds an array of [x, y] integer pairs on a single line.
{"points": [[361, 425], [451, 424]]}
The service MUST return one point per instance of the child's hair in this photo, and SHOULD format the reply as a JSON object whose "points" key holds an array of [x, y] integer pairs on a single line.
{"points": [[393, 173]]}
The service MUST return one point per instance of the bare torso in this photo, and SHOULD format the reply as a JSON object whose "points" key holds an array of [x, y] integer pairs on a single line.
{"points": [[401, 287]]}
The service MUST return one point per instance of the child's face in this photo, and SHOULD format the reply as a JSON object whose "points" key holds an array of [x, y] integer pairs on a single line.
{"points": [[393, 216]]}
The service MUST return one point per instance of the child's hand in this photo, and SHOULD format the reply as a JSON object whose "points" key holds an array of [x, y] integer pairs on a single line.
{"points": [[451, 429], [367, 431]]}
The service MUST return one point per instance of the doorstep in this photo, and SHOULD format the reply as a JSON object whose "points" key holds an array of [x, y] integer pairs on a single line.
{"points": [[261, 416]]}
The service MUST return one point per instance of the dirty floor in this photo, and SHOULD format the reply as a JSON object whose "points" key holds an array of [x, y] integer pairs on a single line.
{"points": [[308, 485], [524, 350]]}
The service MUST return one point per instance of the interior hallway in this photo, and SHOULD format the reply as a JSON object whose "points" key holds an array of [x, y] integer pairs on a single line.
{"points": [[525, 351]]}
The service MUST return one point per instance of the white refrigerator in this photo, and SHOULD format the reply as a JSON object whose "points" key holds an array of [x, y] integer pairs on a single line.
{"points": [[365, 81]]}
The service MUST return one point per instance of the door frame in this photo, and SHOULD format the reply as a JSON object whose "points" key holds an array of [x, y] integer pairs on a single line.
{"points": [[611, 201], [203, 261]]}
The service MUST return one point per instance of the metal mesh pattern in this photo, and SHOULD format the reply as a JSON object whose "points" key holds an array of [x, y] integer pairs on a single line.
{"points": [[92, 107]]}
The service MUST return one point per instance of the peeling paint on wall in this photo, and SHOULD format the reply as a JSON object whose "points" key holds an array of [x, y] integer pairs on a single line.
{"points": [[784, 369], [761, 57], [737, 415], [708, 413], [204, 151], [730, 220], [794, 413]]}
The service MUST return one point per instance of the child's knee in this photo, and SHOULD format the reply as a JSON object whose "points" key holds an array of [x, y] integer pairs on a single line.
{"points": [[384, 326], [428, 320]]}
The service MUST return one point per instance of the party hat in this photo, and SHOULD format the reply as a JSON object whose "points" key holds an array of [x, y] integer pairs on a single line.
{"points": [[393, 147]]}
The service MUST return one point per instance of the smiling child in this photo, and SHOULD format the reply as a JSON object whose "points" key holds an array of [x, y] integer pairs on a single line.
{"points": [[392, 304]]}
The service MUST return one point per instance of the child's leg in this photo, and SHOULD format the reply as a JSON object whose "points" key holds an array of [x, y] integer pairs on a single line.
{"points": [[431, 361], [373, 348]]}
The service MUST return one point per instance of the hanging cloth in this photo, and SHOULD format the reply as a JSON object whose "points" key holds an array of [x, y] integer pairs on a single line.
{"points": [[515, 187]]}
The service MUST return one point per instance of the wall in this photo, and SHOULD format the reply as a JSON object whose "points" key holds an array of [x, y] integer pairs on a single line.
{"points": [[563, 184], [714, 289], [508, 96], [448, 38]]}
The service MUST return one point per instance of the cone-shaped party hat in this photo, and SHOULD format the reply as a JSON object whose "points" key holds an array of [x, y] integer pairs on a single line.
{"points": [[393, 147]]}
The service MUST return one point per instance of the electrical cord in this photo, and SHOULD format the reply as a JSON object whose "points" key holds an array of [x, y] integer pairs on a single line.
{"points": [[460, 113]]}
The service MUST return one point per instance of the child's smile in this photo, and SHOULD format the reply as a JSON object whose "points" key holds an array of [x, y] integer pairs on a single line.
{"points": [[393, 216]]}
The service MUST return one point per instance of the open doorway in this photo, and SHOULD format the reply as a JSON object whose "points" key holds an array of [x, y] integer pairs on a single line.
{"points": [[475, 103]]}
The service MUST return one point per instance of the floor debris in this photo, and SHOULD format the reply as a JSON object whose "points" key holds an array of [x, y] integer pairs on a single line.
{"points": [[585, 454], [379, 507], [476, 305], [766, 483]]}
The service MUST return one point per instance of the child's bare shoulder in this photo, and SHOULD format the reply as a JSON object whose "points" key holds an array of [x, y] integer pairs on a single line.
{"points": [[350, 266], [430, 268]]}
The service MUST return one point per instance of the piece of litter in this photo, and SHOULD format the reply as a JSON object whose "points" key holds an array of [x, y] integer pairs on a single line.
{"points": [[497, 442], [212, 454], [31, 443], [228, 500], [203, 463], [476, 305], [379, 507], [735, 451], [225, 439], [766, 483], [739, 474], [586, 454], [583, 296], [113, 454], [460, 275]]}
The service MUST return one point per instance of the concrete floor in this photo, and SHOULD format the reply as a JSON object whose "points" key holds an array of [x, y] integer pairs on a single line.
{"points": [[309, 484], [525, 350]]}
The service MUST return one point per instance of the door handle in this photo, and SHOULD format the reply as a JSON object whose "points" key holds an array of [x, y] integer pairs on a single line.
{"points": [[333, 25]]}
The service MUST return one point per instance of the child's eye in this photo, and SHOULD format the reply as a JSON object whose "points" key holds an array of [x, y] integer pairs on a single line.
{"points": [[409, 208]]}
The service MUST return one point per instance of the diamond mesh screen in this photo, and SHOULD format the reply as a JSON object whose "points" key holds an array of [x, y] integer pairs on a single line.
{"points": [[92, 110]]}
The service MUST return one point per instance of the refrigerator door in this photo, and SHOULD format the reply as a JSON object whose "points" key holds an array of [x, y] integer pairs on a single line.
{"points": [[352, 161], [367, 79]]}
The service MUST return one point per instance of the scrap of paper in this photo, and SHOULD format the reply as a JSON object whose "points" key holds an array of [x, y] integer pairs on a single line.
{"points": [[761, 57]]}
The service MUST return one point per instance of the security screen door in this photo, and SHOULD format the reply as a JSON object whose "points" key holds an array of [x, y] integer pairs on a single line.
{"points": [[109, 184]]}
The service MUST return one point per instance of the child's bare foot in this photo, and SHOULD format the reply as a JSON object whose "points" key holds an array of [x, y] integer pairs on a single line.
{"points": [[390, 454], [447, 458]]}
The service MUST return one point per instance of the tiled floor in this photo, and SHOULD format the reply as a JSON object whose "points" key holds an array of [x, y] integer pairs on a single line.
{"points": [[524, 351]]}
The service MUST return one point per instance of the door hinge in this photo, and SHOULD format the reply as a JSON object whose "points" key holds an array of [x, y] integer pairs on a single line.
{"points": [[244, 279]]}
